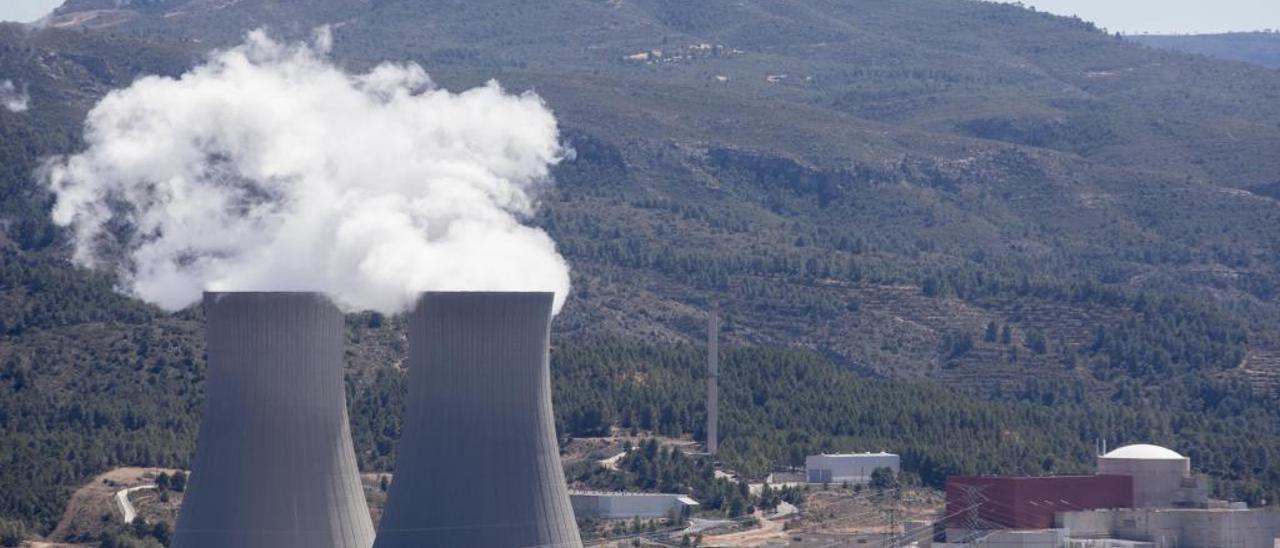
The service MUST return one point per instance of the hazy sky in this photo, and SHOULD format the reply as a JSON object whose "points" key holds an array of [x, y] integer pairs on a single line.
{"points": [[26, 10], [1132, 16], [1170, 16]]}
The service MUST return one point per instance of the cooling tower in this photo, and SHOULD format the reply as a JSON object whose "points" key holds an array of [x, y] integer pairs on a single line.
{"points": [[274, 465], [478, 463]]}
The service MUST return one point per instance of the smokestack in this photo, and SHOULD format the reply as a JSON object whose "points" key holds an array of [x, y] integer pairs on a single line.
{"points": [[713, 381], [274, 465], [478, 463]]}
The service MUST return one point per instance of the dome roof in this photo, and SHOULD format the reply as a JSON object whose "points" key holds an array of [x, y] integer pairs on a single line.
{"points": [[1143, 452]]}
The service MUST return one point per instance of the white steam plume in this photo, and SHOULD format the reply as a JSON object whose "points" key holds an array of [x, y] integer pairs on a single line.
{"points": [[268, 168], [12, 99]]}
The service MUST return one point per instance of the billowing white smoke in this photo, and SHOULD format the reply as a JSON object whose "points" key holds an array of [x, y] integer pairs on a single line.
{"points": [[268, 168], [13, 99]]}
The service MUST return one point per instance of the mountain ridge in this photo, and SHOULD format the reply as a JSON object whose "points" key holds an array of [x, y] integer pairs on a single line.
{"points": [[1258, 48], [825, 171]]}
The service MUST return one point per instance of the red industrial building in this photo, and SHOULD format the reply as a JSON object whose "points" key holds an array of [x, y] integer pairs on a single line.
{"points": [[995, 502]]}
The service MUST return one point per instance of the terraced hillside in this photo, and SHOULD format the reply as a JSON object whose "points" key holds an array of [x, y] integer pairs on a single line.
{"points": [[1261, 368], [895, 144]]}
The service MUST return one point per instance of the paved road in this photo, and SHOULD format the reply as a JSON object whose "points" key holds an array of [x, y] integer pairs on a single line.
{"points": [[126, 507]]}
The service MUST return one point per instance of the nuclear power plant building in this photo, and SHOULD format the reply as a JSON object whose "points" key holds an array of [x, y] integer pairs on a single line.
{"points": [[274, 465], [478, 463], [1161, 477], [1143, 496]]}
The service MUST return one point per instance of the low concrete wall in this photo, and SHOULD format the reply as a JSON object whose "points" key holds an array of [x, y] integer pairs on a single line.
{"points": [[1096, 524], [1178, 528], [1038, 538], [627, 505]]}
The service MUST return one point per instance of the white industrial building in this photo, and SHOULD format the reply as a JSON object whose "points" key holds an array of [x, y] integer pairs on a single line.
{"points": [[601, 505], [848, 467]]}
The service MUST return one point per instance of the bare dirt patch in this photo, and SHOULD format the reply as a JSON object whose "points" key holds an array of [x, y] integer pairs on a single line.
{"points": [[92, 507]]}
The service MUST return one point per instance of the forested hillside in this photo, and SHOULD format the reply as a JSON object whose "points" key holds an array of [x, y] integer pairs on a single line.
{"points": [[975, 234]]}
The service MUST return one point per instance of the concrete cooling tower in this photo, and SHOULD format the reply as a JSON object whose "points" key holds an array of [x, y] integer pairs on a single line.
{"points": [[274, 466], [478, 463]]}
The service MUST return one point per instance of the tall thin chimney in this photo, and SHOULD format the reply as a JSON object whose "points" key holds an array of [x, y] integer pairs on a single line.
{"points": [[478, 463], [713, 381], [274, 464]]}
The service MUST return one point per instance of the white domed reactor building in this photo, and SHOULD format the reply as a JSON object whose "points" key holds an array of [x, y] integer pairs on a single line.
{"points": [[1161, 477]]}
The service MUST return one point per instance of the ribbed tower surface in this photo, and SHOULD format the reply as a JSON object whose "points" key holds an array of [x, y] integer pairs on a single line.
{"points": [[478, 463], [274, 465]]}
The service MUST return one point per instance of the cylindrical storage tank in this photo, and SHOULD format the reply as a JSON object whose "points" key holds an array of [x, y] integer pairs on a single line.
{"points": [[1157, 473], [274, 464], [478, 463]]}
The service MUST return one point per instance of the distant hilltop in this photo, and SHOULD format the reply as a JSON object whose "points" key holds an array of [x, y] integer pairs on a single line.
{"points": [[1259, 48]]}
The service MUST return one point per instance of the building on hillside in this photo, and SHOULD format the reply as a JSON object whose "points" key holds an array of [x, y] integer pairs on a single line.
{"points": [[848, 467], [601, 505]]}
